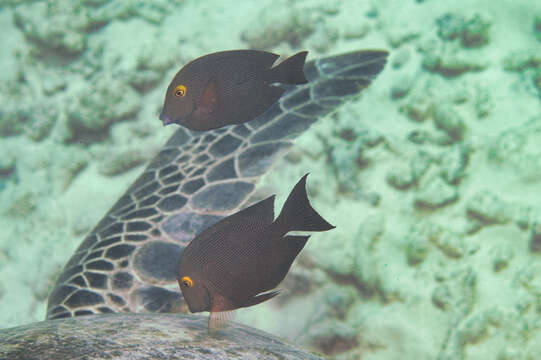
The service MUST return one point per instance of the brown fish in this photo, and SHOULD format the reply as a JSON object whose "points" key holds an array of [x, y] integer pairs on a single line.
{"points": [[228, 87], [238, 261]]}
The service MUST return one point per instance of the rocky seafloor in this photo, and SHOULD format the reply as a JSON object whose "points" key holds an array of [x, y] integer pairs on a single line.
{"points": [[433, 177]]}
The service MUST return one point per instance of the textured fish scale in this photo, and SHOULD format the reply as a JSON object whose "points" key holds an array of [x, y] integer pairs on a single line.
{"points": [[128, 261]]}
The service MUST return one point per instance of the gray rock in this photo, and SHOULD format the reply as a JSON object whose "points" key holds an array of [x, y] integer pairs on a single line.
{"points": [[417, 108], [94, 2], [67, 165], [488, 208], [472, 32], [453, 163], [528, 277], [522, 60], [333, 337], [35, 121], [501, 256], [404, 176], [95, 109], [152, 62], [400, 177], [159, 58], [400, 30], [419, 163], [441, 297], [141, 336], [522, 215], [42, 120], [436, 193], [525, 61], [476, 32], [334, 259], [512, 353], [322, 38], [13, 119], [339, 299], [53, 82], [450, 26], [451, 244], [401, 87], [507, 145], [22, 205], [463, 285], [537, 79], [58, 26], [483, 103], [448, 61], [62, 26], [153, 11], [279, 23], [535, 237], [355, 30], [7, 163], [417, 247], [122, 161], [537, 27], [400, 58], [448, 119], [518, 148], [474, 329]]}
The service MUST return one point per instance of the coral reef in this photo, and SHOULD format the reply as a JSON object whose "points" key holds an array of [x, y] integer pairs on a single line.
{"points": [[62, 26], [279, 23], [94, 110], [472, 32]]}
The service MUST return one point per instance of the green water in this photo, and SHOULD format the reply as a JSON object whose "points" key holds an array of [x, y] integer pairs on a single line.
{"points": [[432, 176]]}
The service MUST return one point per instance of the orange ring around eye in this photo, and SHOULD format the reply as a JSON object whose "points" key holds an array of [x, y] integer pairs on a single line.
{"points": [[187, 281], [180, 91]]}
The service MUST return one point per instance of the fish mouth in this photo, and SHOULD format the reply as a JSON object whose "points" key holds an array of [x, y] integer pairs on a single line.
{"points": [[166, 120]]}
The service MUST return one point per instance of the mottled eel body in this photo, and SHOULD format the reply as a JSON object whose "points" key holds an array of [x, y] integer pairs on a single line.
{"points": [[128, 262]]}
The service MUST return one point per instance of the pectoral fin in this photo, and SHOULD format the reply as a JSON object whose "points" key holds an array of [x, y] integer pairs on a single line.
{"points": [[209, 100]]}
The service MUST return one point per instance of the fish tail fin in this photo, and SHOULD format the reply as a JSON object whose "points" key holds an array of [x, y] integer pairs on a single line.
{"points": [[298, 215], [290, 71]]}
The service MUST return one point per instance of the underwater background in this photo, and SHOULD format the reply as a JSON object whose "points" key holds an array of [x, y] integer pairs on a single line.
{"points": [[432, 176]]}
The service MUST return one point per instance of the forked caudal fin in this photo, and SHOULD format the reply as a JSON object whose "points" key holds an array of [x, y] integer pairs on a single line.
{"points": [[298, 215], [290, 71]]}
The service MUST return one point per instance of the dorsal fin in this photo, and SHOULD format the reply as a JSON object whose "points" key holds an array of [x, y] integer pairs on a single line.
{"points": [[260, 212]]}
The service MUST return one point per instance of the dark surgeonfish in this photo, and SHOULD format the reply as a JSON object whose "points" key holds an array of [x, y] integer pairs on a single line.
{"points": [[238, 261], [228, 87]]}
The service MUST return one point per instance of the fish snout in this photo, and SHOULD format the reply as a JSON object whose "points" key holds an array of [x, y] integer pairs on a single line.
{"points": [[166, 120], [195, 309]]}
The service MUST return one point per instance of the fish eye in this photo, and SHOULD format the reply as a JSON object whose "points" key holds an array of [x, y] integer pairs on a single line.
{"points": [[180, 91], [186, 281]]}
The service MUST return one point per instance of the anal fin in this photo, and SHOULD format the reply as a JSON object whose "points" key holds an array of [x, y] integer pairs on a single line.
{"points": [[220, 319], [261, 297]]}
